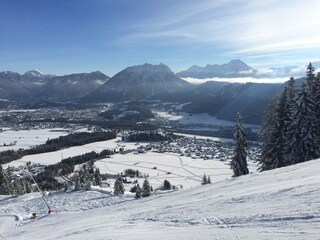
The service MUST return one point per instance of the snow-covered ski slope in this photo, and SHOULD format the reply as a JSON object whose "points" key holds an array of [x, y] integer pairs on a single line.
{"points": [[279, 204]]}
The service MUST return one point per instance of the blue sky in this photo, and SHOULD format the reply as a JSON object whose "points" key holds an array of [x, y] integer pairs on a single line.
{"points": [[66, 36]]}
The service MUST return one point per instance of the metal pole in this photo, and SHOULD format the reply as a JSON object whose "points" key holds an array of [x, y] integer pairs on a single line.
{"points": [[42, 194]]}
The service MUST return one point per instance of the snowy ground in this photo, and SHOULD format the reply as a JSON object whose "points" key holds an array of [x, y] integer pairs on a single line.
{"points": [[179, 170], [279, 204], [203, 118], [55, 157], [27, 138]]}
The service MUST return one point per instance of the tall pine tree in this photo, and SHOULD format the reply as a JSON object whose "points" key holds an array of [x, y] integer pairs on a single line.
{"points": [[311, 78], [118, 187], [266, 136], [239, 160], [290, 119], [317, 101], [138, 191], [6, 185], [304, 143], [146, 188]]}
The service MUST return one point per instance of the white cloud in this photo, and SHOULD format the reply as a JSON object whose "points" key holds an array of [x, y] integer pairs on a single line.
{"points": [[265, 71], [240, 27], [197, 81], [297, 70], [246, 72]]}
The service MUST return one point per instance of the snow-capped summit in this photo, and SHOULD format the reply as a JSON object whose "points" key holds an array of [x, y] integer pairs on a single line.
{"points": [[150, 67], [34, 74], [141, 81], [234, 68]]}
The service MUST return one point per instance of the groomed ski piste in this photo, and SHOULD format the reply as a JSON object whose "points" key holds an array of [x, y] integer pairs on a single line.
{"points": [[279, 204]]}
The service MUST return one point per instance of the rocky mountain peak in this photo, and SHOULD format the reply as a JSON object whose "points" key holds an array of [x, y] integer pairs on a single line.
{"points": [[33, 74], [147, 67]]}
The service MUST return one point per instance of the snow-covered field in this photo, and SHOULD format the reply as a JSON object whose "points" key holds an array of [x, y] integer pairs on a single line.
{"points": [[27, 138], [55, 157], [203, 118], [279, 204], [179, 170]]}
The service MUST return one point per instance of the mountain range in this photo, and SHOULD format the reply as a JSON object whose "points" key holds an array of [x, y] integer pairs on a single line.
{"points": [[239, 69], [145, 82], [34, 85], [234, 68]]}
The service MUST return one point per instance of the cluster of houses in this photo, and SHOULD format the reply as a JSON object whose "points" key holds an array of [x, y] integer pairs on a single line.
{"points": [[25, 171], [196, 148]]}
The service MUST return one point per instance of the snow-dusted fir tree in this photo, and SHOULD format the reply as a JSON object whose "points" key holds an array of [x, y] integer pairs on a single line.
{"points": [[97, 177], [311, 78], [118, 187], [18, 187], [317, 100], [166, 184], [279, 132], [275, 130], [6, 185], [204, 179], [239, 159], [317, 85], [304, 143], [290, 119], [266, 136], [209, 180], [77, 186], [146, 188], [138, 191], [27, 187]]}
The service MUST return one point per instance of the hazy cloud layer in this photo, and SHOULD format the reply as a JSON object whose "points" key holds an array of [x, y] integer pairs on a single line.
{"points": [[278, 30]]}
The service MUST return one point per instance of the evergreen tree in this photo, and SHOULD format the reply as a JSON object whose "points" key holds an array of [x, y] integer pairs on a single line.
{"points": [[209, 180], [6, 185], [2, 181], [311, 78], [265, 136], [18, 188], [138, 191], [304, 143], [1, 175], [77, 186], [277, 128], [290, 118], [97, 177], [317, 101], [279, 132], [317, 95], [118, 187], [204, 179], [239, 160], [167, 185], [146, 188], [27, 186]]}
